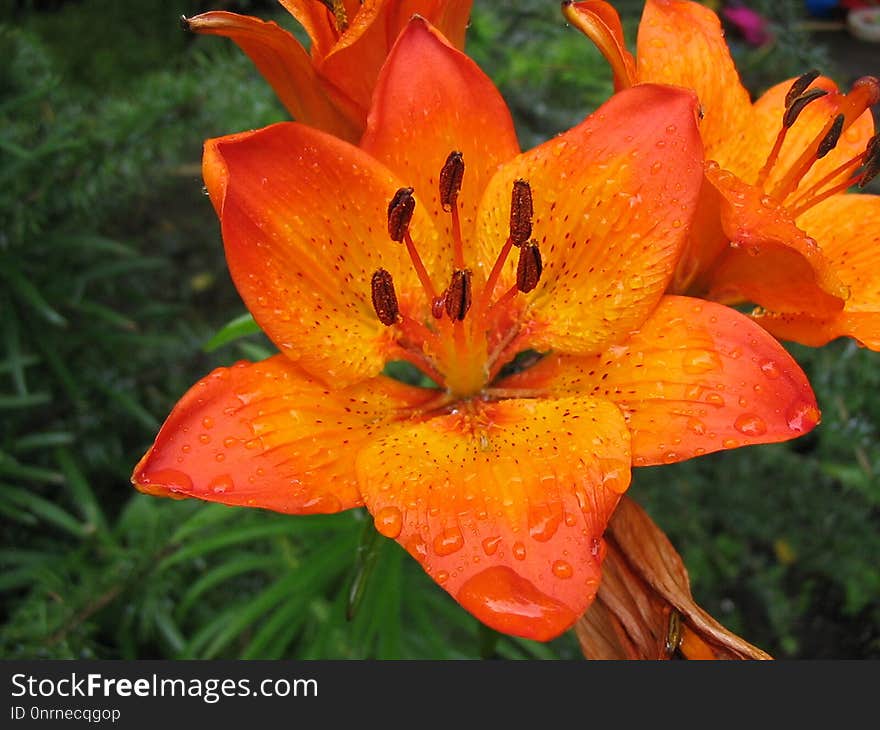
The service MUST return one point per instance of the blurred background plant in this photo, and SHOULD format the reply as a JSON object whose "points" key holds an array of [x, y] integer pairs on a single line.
{"points": [[115, 298]]}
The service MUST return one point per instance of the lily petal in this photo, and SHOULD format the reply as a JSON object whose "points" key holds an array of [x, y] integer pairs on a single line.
{"points": [[304, 222], [600, 22], [284, 63], [771, 260], [697, 377], [505, 506], [613, 198], [682, 43], [268, 435], [849, 228], [431, 100]]}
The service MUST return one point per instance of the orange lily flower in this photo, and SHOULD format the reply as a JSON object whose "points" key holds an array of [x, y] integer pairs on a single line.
{"points": [[775, 226], [330, 85], [500, 485]]}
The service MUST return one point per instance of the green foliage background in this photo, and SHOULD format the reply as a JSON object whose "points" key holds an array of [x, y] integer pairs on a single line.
{"points": [[113, 287]]}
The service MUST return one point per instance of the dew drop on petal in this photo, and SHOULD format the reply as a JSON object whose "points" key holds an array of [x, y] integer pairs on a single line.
{"points": [[770, 369], [715, 399], [490, 545], [695, 425], [750, 425], [448, 541], [388, 522], [519, 551], [221, 484], [562, 569], [208, 422], [442, 576], [802, 418]]}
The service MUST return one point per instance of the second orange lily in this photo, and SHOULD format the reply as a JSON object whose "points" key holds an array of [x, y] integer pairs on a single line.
{"points": [[776, 225], [329, 86]]}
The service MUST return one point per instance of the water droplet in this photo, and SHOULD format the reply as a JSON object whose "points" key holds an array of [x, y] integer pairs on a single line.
{"points": [[770, 368], [388, 522], [570, 520], [448, 541], [204, 438], [750, 424], [208, 422], [519, 551], [715, 399], [730, 443], [490, 545], [172, 479], [561, 569], [186, 448], [670, 457], [701, 362], [696, 426], [595, 546], [221, 484], [220, 457], [544, 520], [802, 418], [656, 167], [671, 129], [442, 576]]}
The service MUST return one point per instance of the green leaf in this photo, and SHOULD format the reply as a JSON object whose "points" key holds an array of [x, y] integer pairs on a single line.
{"points": [[241, 326]]}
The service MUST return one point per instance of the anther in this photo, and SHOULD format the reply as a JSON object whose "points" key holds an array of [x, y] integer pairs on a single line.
{"points": [[384, 298], [450, 180], [872, 161], [458, 295], [793, 110], [400, 213], [529, 267], [800, 85], [520, 212], [829, 141]]}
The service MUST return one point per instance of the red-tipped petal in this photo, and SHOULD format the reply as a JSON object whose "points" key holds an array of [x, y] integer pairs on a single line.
{"points": [[504, 504], [267, 435], [304, 223], [697, 377]]}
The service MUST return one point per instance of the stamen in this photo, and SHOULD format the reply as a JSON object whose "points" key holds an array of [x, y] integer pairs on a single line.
{"points": [[830, 140], [872, 161], [450, 180], [384, 298], [450, 184], [864, 93], [529, 268], [801, 84], [521, 212], [400, 213], [793, 110], [458, 295]]}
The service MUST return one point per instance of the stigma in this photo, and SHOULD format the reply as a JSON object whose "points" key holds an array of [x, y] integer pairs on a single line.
{"points": [[461, 332], [784, 185]]}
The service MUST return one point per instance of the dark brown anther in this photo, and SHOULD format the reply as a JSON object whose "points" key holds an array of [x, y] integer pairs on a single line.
{"points": [[793, 111], [829, 141], [384, 297], [872, 161], [400, 213], [800, 85], [520, 212], [529, 267], [458, 295], [184, 23], [450, 180]]}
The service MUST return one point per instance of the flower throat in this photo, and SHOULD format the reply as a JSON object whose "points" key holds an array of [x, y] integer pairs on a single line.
{"points": [[463, 337]]}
